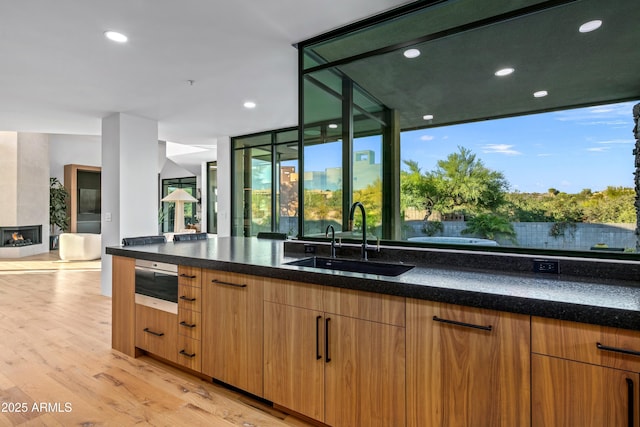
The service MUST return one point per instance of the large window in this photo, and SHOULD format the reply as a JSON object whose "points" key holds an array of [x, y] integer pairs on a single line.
{"points": [[497, 126], [265, 183]]}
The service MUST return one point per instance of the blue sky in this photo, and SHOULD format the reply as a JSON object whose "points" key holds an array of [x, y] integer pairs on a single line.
{"points": [[568, 150]]}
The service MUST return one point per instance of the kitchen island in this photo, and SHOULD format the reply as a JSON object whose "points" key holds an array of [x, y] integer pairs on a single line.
{"points": [[452, 346]]}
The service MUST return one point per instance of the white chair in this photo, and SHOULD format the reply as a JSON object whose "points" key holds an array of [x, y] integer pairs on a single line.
{"points": [[80, 246]]}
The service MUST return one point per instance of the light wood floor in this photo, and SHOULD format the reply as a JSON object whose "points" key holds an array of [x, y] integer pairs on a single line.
{"points": [[55, 353], [44, 262]]}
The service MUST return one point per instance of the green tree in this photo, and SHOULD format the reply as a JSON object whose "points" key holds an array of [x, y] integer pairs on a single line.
{"points": [[371, 198], [490, 226], [461, 182], [612, 205]]}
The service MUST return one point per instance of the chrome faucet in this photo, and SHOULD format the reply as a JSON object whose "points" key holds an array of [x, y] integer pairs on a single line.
{"points": [[364, 226], [333, 239]]}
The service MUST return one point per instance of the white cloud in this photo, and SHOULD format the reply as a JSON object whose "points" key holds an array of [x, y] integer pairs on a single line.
{"points": [[427, 138], [598, 149], [545, 155], [617, 141], [500, 149], [611, 115]]}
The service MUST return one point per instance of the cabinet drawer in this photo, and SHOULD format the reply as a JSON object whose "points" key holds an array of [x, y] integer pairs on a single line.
{"points": [[375, 307], [294, 293], [156, 331], [598, 345], [189, 324], [189, 298], [190, 276], [189, 353]]}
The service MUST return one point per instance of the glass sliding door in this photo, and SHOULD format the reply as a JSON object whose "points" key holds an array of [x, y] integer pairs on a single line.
{"points": [[265, 183], [212, 197]]}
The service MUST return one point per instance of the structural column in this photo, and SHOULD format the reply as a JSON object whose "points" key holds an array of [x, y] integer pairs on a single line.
{"points": [[129, 183]]}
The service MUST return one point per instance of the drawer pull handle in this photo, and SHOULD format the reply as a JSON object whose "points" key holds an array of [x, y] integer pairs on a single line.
{"points": [[630, 402], [220, 282], [617, 350], [149, 331], [186, 298], [466, 325], [186, 276], [184, 353], [188, 325]]}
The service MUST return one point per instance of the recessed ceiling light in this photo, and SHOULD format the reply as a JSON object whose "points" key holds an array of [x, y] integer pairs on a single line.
{"points": [[411, 53], [504, 72], [249, 105], [540, 93], [428, 117], [590, 26], [333, 126], [116, 36]]}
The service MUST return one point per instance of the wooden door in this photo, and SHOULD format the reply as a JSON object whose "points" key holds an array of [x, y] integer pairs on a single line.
{"points": [[567, 393], [466, 367], [294, 358], [365, 374], [232, 329]]}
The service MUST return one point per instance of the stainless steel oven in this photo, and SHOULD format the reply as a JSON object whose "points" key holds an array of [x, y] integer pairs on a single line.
{"points": [[157, 285]]}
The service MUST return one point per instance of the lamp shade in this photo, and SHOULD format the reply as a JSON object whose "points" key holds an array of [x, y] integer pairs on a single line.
{"points": [[179, 197]]}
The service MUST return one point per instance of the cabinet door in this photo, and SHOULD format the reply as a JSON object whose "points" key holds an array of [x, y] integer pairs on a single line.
{"points": [[466, 366], [567, 394], [294, 358], [232, 329], [365, 374]]}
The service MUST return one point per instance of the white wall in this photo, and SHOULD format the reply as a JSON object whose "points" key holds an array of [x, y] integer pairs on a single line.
{"points": [[24, 173], [224, 186], [129, 183], [73, 149]]}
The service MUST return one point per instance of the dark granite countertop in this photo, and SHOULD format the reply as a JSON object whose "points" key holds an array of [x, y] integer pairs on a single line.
{"points": [[604, 302]]}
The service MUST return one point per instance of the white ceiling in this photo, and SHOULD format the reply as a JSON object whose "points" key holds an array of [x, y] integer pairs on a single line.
{"points": [[58, 74]]}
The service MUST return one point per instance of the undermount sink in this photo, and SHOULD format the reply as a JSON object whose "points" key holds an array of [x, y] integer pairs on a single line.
{"points": [[368, 267]]}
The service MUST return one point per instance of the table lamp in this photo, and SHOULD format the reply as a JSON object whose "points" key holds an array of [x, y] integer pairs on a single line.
{"points": [[179, 196]]}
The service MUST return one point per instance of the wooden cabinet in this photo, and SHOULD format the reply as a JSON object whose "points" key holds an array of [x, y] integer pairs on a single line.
{"points": [[123, 312], [584, 375], [466, 366], [189, 344], [156, 332], [293, 358], [330, 355], [232, 316]]}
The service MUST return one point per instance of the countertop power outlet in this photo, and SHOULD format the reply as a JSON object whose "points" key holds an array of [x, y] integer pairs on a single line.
{"points": [[546, 266], [309, 249]]}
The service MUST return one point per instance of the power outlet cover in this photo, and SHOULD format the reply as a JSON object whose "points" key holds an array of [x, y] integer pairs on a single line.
{"points": [[546, 266], [309, 249]]}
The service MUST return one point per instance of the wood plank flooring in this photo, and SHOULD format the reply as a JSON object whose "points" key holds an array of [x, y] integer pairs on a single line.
{"points": [[57, 367], [45, 262]]}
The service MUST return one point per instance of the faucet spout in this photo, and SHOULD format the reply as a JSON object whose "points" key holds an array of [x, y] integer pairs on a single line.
{"points": [[333, 239], [352, 211]]}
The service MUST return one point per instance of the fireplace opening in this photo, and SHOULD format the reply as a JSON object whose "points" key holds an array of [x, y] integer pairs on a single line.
{"points": [[20, 236]]}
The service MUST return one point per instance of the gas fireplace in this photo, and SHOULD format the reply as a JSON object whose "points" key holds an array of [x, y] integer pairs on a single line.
{"points": [[20, 236]]}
